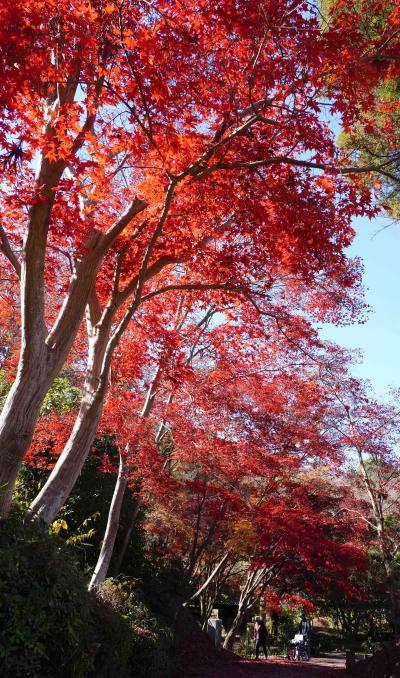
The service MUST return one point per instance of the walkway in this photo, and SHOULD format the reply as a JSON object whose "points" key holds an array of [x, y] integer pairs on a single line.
{"points": [[275, 667]]}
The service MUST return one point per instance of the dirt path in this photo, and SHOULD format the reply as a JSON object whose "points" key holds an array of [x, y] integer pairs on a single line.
{"points": [[275, 667]]}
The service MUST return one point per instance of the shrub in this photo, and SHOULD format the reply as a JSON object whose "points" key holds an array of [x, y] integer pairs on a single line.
{"points": [[113, 643], [45, 609], [50, 625], [151, 640]]}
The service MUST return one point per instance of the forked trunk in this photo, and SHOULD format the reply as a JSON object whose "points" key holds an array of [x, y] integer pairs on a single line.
{"points": [[62, 479], [43, 356], [256, 580], [209, 579], [39, 364], [22, 406]]}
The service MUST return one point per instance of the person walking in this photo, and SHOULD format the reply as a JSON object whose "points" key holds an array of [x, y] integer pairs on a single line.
{"points": [[260, 637], [305, 628]]}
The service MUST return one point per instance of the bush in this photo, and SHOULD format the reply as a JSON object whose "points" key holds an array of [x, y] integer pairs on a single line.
{"points": [[152, 641], [113, 643], [45, 609], [50, 625], [246, 647]]}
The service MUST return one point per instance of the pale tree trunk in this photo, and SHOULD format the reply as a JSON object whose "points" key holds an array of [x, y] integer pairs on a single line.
{"points": [[210, 594], [128, 535], [61, 480], [17, 425], [114, 514], [147, 407], [115, 508], [230, 636], [22, 405], [63, 477], [209, 591], [245, 594], [102, 343], [207, 601], [41, 359], [110, 535]]}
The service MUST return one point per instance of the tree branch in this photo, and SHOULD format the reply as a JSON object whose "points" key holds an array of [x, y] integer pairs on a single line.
{"points": [[136, 206], [208, 581], [192, 286], [8, 252]]}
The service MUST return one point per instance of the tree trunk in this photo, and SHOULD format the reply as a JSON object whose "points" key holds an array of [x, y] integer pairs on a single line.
{"points": [[255, 580], [209, 579], [106, 552], [207, 602], [128, 535], [107, 547], [22, 406], [230, 636], [17, 425], [62, 479], [40, 362]]}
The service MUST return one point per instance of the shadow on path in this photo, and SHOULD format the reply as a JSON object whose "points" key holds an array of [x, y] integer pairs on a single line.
{"points": [[275, 667]]}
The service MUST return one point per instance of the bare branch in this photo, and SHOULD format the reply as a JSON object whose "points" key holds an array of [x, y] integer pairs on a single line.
{"points": [[287, 160], [192, 286], [208, 581]]}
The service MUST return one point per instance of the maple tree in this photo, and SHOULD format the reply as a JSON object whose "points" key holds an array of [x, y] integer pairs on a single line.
{"points": [[370, 431], [204, 121], [176, 213], [230, 488], [247, 391], [295, 553], [372, 137]]}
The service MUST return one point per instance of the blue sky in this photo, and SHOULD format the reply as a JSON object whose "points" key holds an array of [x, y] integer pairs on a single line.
{"points": [[379, 337]]}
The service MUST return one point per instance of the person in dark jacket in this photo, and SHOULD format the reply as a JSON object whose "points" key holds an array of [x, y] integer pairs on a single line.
{"points": [[305, 629], [305, 626], [260, 636]]}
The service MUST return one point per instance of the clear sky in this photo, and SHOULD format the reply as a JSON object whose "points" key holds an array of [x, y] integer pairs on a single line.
{"points": [[379, 337]]}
